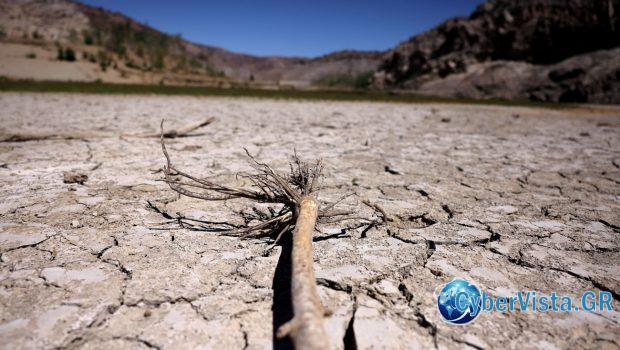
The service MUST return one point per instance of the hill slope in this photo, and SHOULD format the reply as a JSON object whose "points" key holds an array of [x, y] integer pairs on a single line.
{"points": [[529, 49], [545, 50], [112, 47]]}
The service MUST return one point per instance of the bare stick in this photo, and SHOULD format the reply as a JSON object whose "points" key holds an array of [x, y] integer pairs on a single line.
{"points": [[41, 136], [174, 133], [306, 328], [378, 208]]}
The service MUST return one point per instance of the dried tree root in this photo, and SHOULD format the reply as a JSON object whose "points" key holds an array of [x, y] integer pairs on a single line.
{"points": [[378, 208], [34, 136], [295, 208], [306, 328], [182, 132], [40, 136]]}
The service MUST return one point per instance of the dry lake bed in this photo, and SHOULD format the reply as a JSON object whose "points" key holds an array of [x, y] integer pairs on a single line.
{"points": [[510, 198]]}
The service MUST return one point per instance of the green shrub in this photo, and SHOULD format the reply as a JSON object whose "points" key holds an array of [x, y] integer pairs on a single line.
{"points": [[66, 54], [158, 61], [69, 54], [31, 55], [214, 72], [131, 64], [104, 60]]}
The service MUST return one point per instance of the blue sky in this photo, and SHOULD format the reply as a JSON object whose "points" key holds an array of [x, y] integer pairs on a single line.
{"points": [[292, 28]]}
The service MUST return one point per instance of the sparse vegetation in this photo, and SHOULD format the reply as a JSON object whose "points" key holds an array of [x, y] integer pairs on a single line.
{"points": [[65, 54], [196, 64], [104, 60], [158, 62], [88, 38], [73, 36], [31, 55], [145, 48], [357, 81], [214, 72], [131, 64], [69, 54], [36, 35], [332, 95]]}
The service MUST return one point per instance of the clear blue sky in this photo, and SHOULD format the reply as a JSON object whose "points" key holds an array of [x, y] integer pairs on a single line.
{"points": [[292, 28]]}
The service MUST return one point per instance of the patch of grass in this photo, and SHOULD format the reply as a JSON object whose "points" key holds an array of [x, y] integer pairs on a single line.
{"points": [[7, 84], [357, 81]]}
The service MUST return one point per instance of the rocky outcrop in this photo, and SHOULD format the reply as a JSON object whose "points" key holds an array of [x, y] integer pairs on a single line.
{"points": [[516, 44], [591, 77], [544, 50]]}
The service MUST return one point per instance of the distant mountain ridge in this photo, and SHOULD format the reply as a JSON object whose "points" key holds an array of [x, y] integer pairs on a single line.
{"points": [[239, 66], [506, 41], [545, 50], [137, 48]]}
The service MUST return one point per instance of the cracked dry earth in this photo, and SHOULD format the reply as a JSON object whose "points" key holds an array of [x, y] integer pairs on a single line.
{"points": [[510, 198]]}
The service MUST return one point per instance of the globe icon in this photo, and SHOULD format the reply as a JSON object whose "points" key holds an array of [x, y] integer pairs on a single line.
{"points": [[459, 302]]}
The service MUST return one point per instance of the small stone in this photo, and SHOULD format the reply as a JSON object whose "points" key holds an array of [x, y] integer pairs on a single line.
{"points": [[75, 224]]}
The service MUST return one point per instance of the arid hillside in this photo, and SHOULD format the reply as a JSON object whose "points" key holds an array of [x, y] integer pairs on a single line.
{"points": [[540, 50], [67, 40], [545, 50]]}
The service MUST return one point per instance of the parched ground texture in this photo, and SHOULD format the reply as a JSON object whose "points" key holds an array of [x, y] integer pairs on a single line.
{"points": [[510, 198]]}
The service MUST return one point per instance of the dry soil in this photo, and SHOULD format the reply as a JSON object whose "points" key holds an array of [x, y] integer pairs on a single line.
{"points": [[510, 198]]}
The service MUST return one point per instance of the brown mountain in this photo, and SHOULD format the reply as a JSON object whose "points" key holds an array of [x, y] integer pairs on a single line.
{"points": [[113, 47], [550, 50], [547, 50]]}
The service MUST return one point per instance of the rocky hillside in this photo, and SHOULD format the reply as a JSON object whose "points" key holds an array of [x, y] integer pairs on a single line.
{"points": [[112, 46], [550, 50], [544, 50]]}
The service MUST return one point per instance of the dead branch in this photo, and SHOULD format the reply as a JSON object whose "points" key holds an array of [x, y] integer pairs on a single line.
{"points": [[298, 211], [174, 133], [41, 136], [306, 328], [185, 131], [378, 208]]}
